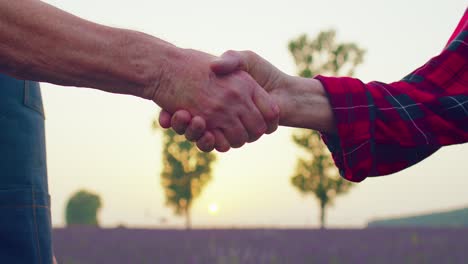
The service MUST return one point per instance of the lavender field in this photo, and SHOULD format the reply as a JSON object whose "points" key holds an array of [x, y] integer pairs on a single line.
{"points": [[257, 246]]}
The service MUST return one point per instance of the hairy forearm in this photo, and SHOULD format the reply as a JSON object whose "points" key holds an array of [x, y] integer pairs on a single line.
{"points": [[43, 43], [304, 103]]}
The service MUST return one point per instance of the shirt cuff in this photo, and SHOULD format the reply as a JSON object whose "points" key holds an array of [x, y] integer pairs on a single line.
{"points": [[351, 147]]}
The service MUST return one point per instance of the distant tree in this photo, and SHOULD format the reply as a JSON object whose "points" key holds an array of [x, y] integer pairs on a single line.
{"points": [[186, 170], [317, 173], [82, 209]]}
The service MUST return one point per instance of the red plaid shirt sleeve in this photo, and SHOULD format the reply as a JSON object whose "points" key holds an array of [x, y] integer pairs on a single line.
{"points": [[384, 128]]}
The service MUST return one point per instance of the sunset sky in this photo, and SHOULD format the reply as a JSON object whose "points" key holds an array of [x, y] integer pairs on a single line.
{"points": [[104, 142]]}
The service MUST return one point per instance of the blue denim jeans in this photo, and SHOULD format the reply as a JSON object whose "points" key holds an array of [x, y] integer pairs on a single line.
{"points": [[25, 225]]}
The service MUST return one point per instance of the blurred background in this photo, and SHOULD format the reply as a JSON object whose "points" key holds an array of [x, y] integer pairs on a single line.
{"points": [[105, 143]]}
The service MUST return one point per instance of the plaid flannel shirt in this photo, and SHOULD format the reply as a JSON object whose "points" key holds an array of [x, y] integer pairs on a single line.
{"points": [[384, 128]]}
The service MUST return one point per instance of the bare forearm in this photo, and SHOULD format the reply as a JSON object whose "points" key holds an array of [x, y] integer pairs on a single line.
{"points": [[304, 103], [43, 43]]}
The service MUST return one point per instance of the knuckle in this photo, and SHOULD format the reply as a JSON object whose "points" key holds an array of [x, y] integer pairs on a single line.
{"points": [[272, 129], [251, 56], [238, 142], [178, 121], [216, 107], [201, 144], [231, 53], [233, 94], [248, 53], [257, 132], [179, 131], [223, 148], [253, 139], [271, 116], [261, 130], [179, 128], [206, 142], [203, 148], [189, 136], [197, 127]]}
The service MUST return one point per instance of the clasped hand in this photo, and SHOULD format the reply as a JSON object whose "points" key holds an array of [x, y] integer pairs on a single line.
{"points": [[241, 110]]}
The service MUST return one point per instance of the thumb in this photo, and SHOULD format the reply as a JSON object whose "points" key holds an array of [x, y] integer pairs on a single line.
{"points": [[229, 62]]}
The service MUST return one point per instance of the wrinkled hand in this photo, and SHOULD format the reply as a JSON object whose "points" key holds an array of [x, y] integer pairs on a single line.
{"points": [[228, 110], [232, 62]]}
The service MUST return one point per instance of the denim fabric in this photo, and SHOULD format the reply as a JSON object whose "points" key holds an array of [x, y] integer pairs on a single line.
{"points": [[25, 225]]}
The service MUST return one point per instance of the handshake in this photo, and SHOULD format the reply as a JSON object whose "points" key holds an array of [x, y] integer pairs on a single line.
{"points": [[226, 102]]}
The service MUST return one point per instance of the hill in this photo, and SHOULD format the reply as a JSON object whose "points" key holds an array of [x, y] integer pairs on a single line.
{"points": [[453, 218]]}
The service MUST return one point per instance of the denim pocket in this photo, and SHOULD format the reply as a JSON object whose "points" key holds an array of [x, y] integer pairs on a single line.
{"points": [[33, 97], [25, 227]]}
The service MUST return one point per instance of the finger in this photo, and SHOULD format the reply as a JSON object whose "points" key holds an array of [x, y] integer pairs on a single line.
{"points": [[269, 109], [236, 134], [229, 62], [260, 69], [165, 119], [196, 129], [247, 61], [254, 123], [180, 121], [207, 142], [273, 126], [222, 144]]}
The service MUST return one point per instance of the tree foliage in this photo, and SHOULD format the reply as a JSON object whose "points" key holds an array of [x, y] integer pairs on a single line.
{"points": [[82, 209], [317, 174], [186, 170], [323, 55]]}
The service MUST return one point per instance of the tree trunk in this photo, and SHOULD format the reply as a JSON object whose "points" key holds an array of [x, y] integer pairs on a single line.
{"points": [[322, 216], [188, 218]]}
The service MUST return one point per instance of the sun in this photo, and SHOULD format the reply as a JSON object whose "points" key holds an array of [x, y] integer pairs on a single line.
{"points": [[213, 208]]}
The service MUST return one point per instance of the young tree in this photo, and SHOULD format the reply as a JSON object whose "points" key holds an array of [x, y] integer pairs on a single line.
{"points": [[82, 209], [317, 174], [186, 171]]}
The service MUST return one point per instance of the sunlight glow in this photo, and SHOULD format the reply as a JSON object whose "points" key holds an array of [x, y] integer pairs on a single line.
{"points": [[213, 208]]}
